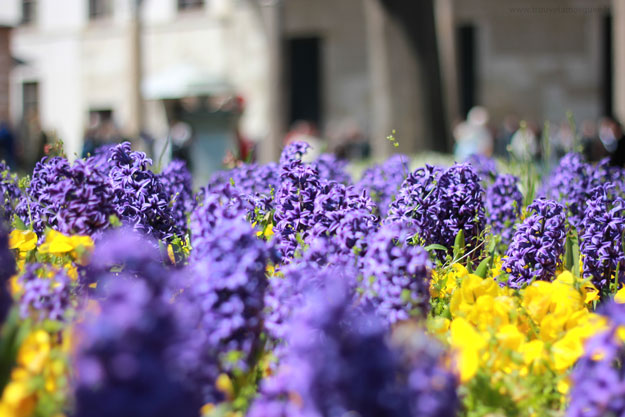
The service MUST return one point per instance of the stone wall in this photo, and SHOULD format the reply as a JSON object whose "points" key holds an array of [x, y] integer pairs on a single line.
{"points": [[537, 60]]}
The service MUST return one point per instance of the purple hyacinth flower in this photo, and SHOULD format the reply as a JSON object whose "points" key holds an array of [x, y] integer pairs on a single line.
{"points": [[537, 245]]}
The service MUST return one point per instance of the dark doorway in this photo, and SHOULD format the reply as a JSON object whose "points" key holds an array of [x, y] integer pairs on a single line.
{"points": [[304, 72], [606, 66], [467, 67]]}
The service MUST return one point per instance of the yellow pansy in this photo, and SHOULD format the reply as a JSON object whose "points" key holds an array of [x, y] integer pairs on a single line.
{"points": [[619, 297], [17, 400], [445, 284], [225, 386], [510, 337], [470, 290], [23, 240], [170, 254], [57, 243], [34, 351], [468, 343], [567, 350]]}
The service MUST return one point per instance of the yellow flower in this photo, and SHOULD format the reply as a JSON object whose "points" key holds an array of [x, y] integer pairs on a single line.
{"points": [[471, 289], [447, 283], [619, 297], [563, 386], [468, 343], [17, 400], [439, 325], [170, 254], [34, 352], [224, 385], [567, 350], [510, 337], [58, 244], [23, 240]]}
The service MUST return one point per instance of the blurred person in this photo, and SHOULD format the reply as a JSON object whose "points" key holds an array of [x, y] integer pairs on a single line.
{"points": [[305, 131], [245, 146], [504, 135], [563, 140], [607, 134], [351, 142], [524, 143], [101, 131], [473, 135], [617, 158], [592, 147], [7, 144], [181, 136]]}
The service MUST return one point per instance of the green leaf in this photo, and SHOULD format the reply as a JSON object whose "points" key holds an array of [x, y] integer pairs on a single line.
{"points": [[483, 267], [459, 244], [571, 253], [435, 246], [18, 223]]}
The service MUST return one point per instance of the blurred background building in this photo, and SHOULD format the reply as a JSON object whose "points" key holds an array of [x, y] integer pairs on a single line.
{"points": [[217, 73]]}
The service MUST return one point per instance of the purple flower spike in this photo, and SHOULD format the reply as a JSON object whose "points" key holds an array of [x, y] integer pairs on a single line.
{"points": [[598, 379], [396, 275], [503, 205], [602, 239], [538, 244]]}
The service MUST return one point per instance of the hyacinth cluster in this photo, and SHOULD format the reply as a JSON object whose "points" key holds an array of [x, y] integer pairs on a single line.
{"points": [[211, 208], [599, 377], [228, 286], [503, 206], [295, 199], [139, 198], [537, 245], [485, 167], [324, 261], [441, 203], [602, 238], [125, 254], [73, 199], [339, 362], [256, 183], [178, 185], [7, 269], [124, 358], [9, 192], [396, 274], [383, 181], [333, 203], [330, 168], [44, 296], [573, 180]]}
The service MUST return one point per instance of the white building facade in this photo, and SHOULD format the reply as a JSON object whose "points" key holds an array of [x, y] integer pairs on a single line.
{"points": [[76, 59]]}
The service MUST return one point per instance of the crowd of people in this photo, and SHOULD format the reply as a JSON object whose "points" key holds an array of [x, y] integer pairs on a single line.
{"points": [[527, 141]]}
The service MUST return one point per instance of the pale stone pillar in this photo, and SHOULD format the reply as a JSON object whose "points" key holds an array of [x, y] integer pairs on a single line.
{"points": [[272, 14], [381, 94], [446, 38], [618, 45], [136, 119]]}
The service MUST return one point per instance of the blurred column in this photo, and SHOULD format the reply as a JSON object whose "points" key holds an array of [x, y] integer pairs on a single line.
{"points": [[446, 38], [5, 70], [135, 125], [618, 45], [380, 93], [272, 14]]}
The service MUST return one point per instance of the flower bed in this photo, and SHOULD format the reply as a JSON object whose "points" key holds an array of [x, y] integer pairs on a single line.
{"points": [[290, 289]]}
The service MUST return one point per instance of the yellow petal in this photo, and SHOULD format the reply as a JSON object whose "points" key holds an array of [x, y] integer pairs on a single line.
{"points": [[619, 297]]}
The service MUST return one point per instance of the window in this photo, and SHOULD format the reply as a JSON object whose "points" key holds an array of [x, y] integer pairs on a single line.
{"points": [[99, 9], [190, 4], [28, 11], [30, 98]]}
